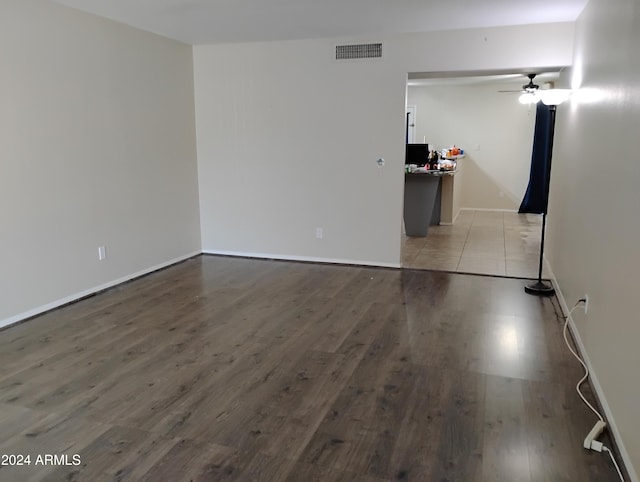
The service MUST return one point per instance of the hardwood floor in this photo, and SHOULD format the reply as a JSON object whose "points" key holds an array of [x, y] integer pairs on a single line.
{"points": [[236, 369]]}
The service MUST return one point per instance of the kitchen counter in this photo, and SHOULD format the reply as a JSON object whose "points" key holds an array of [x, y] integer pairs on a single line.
{"points": [[439, 172], [422, 203]]}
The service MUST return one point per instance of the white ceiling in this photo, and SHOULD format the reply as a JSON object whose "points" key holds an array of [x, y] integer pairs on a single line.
{"points": [[222, 21]]}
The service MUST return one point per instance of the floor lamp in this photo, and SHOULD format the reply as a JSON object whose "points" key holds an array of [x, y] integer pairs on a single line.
{"points": [[540, 288]]}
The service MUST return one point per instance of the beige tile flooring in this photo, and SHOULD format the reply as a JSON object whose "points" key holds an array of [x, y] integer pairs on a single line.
{"points": [[480, 242]]}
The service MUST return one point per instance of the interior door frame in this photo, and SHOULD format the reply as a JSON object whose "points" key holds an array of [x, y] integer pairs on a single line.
{"points": [[410, 124]]}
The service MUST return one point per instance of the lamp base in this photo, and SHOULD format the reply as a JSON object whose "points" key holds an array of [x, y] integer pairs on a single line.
{"points": [[539, 289]]}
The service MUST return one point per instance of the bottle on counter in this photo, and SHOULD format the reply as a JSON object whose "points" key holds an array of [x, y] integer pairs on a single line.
{"points": [[434, 160]]}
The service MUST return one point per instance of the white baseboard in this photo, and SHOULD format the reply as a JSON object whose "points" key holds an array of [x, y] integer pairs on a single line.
{"points": [[77, 296], [479, 209], [455, 217], [74, 297], [311, 259], [608, 415], [488, 210]]}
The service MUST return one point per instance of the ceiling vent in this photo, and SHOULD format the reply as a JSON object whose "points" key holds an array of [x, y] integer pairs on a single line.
{"points": [[358, 51]]}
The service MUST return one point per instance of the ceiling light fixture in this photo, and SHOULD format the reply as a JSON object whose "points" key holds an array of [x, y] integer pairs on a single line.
{"points": [[554, 96], [529, 98]]}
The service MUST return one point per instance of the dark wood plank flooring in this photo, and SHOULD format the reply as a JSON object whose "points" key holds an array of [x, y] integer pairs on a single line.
{"points": [[236, 369]]}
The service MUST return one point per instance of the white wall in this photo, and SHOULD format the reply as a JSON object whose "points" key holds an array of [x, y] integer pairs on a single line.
{"points": [[288, 137], [287, 142], [594, 225], [98, 148], [495, 130]]}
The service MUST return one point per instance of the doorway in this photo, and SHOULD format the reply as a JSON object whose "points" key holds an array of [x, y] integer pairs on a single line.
{"points": [[486, 235], [410, 127]]}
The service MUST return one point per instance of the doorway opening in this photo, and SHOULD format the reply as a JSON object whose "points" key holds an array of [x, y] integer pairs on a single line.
{"points": [[480, 230]]}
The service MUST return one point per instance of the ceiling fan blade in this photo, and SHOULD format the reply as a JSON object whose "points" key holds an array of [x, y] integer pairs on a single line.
{"points": [[510, 91]]}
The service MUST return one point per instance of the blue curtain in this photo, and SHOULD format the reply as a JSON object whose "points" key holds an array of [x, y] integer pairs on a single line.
{"points": [[535, 199]]}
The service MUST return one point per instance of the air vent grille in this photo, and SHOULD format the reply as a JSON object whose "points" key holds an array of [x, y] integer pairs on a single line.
{"points": [[359, 51]]}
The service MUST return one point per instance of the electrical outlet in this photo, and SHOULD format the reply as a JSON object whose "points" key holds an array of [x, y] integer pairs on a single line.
{"points": [[586, 304], [102, 253], [319, 233]]}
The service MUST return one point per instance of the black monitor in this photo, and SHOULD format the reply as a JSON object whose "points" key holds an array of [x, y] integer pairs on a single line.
{"points": [[417, 154]]}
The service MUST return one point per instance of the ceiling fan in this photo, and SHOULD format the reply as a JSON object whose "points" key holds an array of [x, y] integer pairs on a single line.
{"points": [[532, 93], [529, 88]]}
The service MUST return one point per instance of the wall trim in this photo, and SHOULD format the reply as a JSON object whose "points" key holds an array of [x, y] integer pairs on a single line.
{"points": [[91, 291], [599, 392], [487, 209], [478, 209], [310, 259], [455, 217]]}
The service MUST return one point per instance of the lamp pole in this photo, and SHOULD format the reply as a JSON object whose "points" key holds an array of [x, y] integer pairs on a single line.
{"points": [[540, 288]]}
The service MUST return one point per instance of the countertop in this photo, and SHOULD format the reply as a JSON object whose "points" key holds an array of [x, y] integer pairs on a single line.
{"points": [[422, 172]]}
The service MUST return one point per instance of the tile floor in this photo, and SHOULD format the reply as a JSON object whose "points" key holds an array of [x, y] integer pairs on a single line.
{"points": [[480, 242]]}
